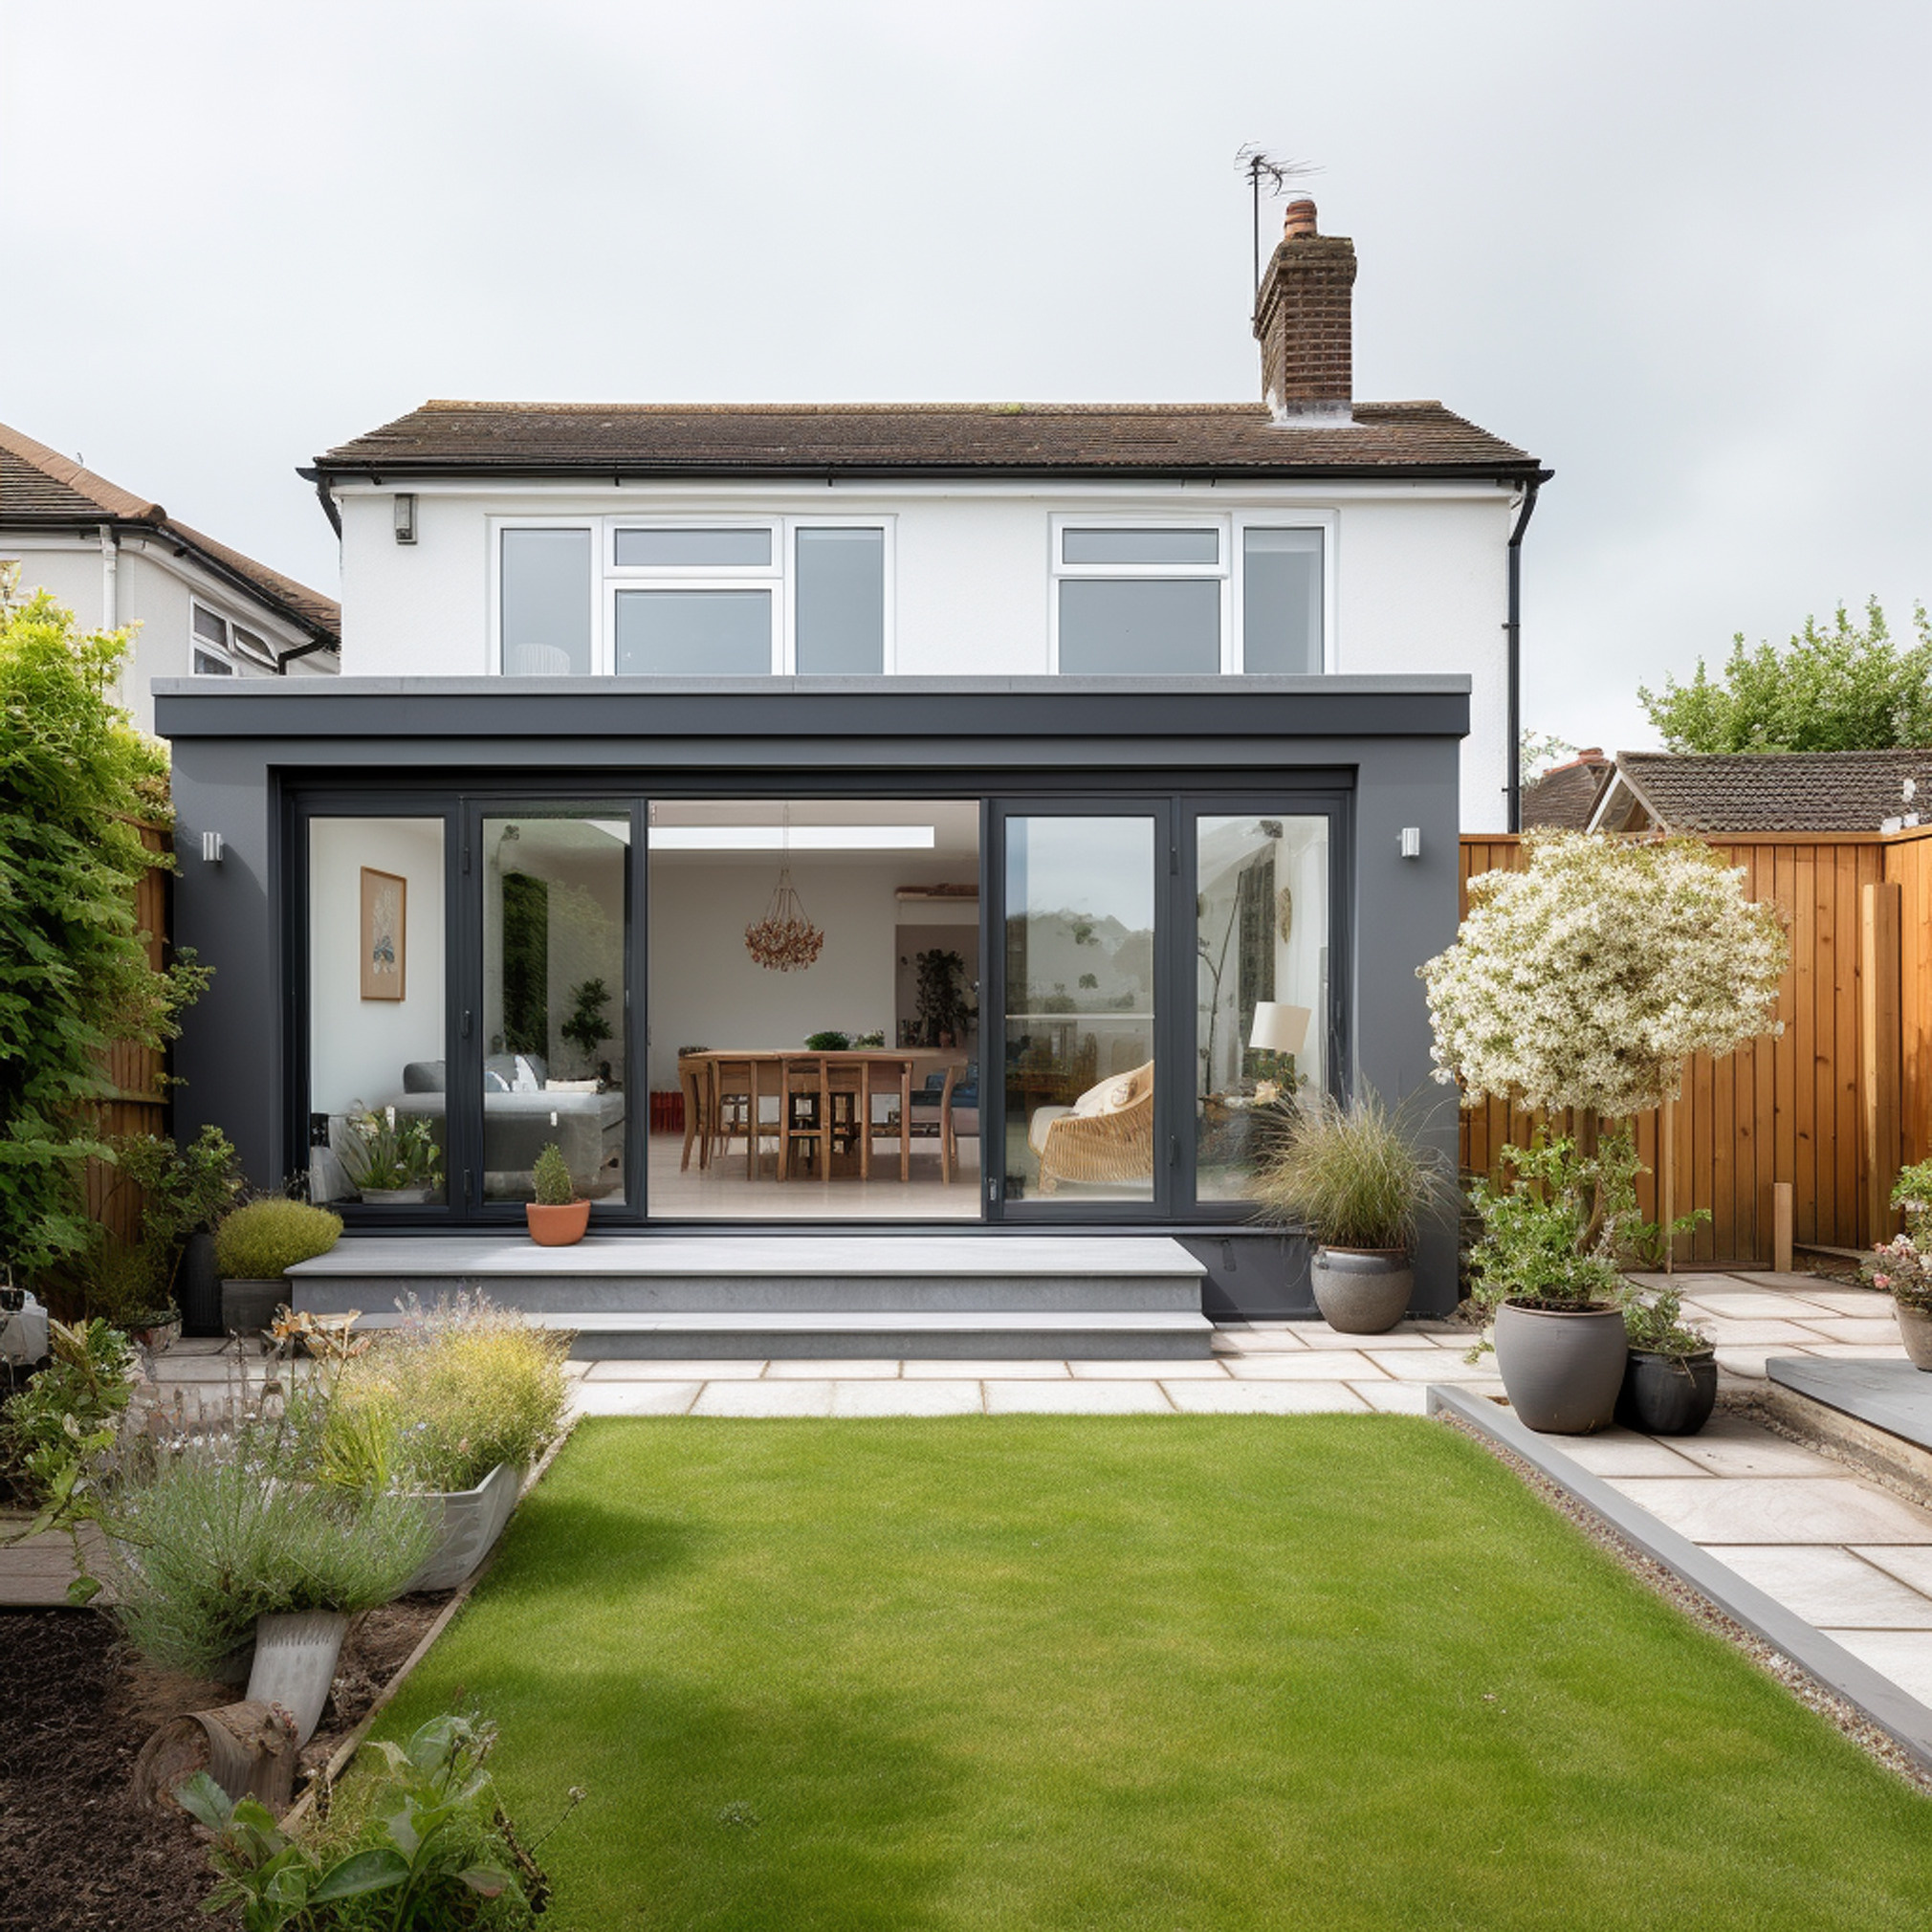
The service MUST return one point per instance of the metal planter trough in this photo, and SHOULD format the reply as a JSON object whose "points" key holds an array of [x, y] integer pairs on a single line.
{"points": [[468, 1522]]}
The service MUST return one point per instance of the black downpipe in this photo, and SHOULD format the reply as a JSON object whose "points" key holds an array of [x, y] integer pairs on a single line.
{"points": [[1513, 625]]}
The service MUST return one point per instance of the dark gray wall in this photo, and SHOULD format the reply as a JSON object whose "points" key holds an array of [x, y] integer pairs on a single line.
{"points": [[1397, 739]]}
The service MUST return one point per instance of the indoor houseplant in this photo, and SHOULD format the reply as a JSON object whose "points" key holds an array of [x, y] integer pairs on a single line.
{"points": [[556, 1216], [390, 1161], [1585, 982], [454, 1406], [1903, 1266], [252, 1249], [1670, 1384], [1355, 1173]]}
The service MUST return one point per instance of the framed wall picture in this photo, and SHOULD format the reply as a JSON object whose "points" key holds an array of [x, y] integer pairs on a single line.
{"points": [[386, 901]]}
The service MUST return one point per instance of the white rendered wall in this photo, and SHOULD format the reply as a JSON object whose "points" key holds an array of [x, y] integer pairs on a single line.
{"points": [[357, 1046], [1420, 578]]}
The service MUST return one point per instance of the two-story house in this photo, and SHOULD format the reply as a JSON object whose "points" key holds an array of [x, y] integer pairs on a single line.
{"points": [[115, 559], [1104, 764]]}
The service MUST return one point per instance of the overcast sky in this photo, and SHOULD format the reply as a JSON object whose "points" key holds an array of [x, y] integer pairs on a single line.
{"points": [[1679, 251]]}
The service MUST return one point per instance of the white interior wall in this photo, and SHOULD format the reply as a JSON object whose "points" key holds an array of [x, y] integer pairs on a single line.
{"points": [[357, 1046]]}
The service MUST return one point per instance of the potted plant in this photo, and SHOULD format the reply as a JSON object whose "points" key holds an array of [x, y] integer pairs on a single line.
{"points": [[1670, 1385], [392, 1162], [165, 1281], [453, 1407], [945, 1012], [1354, 1175], [829, 1041], [1903, 1266], [252, 1249], [555, 1218]]}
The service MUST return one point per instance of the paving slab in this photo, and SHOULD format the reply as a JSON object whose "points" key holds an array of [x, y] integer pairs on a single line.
{"points": [[1077, 1399], [964, 1371], [1854, 1352], [1829, 1587], [1246, 1342], [806, 1369], [1910, 1563], [1321, 1336], [1621, 1452], [1266, 1399], [1389, 1398], [1747, 1365], [907, 1398], [1312, 1365], [1904, 1655], [1732, 1445], [764, 1398], [1445, 1365], [636, 1398], [1860, 1332], [1139, 1372], [673, 1371], [1730, 1334], [1754, 1303], [1814, 1286], [1866, 1302], [1713, 1509]]}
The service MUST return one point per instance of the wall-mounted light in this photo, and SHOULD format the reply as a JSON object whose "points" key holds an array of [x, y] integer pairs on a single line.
{"points": [[405, 517], [210, 849], [1411, 842]]}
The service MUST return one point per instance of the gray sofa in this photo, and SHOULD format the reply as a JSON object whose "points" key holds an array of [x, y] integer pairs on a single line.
{"points": [[587, 1128]]}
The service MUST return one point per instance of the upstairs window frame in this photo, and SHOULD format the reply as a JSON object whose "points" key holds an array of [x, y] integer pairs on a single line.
{"points": [[211, 656], [1231, 528]]}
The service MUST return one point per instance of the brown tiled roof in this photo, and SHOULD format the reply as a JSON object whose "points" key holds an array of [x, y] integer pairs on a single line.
{"points": [[41, 486], [1775, 791], [1010, 438], [1563, 799]]}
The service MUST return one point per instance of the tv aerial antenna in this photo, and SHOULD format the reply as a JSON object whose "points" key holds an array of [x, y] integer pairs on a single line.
{"points": [[1261, 166]]}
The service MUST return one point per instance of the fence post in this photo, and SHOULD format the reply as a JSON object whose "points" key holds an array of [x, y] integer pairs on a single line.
{"points": [[1880, 1051]]}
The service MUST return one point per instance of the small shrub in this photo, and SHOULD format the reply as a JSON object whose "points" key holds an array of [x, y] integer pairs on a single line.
{"points": [[266, 1237], [76, 1403], [1655, 1324], [830, 1040], [1353, 1173], [550, 1178], [206, 1538], [463, 1386]]}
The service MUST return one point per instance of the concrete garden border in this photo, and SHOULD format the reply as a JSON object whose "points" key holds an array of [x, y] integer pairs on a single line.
{"points": [[1877, 1699]]}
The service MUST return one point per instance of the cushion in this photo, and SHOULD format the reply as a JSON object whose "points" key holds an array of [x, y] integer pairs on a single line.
{"points": [[531, 1074], [499, 1073], [570, 1087], [1108, 1097], [423, 1076]]}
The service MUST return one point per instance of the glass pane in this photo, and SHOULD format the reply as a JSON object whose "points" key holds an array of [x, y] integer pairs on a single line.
{"points": [[1262, 951], [694, 549], [211, 626], [555, 908], [377, 1012], [694, 633], [842, 601], [207, 665], [546, 603], [1078, 1044], [1282, 600], [1140, 546], [1149, 624]]}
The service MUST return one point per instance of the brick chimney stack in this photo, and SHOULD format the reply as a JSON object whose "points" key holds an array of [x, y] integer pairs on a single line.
{"points": [[1304, 321]]}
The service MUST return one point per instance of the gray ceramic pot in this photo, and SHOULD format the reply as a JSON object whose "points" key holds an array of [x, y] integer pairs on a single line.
{"points": [[1914, 1330], [1362, 1291], [1562, 1368]]}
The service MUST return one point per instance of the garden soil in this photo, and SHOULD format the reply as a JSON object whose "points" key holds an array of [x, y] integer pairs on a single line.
{"points": [[76, 1853]]}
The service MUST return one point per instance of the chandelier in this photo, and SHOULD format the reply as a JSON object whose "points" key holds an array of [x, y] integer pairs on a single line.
{"points": [[784, 940]]}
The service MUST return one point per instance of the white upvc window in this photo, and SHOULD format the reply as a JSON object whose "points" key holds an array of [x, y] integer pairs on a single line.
{"points": [[694, 596], [211, 650], [1184, 595]]}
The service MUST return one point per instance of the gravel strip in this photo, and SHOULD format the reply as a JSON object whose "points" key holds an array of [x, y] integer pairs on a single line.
{"points": [[1700, 1609]]}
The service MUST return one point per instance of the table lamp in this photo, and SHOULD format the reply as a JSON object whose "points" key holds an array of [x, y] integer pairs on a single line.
{"points": [[1278, 1029]]}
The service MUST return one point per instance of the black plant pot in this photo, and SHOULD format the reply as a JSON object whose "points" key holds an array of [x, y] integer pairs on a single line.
{"points": [[200, 1287], [1668, 1394]]}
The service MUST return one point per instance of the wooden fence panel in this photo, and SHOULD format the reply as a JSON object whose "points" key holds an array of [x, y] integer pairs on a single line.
{"points": [[137, 1102], [1791, 1107]]}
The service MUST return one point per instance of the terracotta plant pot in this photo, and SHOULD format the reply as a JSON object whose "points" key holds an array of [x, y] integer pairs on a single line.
{"points": [[1562, 1368], [1668, 1394], [1914, 1330], [556, 1227], [1362, 1291]]}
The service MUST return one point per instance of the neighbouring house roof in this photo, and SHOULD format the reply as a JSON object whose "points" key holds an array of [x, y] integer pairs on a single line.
{"points": [[1563, 799], [1763, 791], [769, 439], [41, 489]]}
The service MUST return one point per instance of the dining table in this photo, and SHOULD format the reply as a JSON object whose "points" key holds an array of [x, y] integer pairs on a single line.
{"points": [[880, 1071]]}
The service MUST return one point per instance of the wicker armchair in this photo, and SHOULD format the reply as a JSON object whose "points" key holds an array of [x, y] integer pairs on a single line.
{"points": [[1115, 1145]]}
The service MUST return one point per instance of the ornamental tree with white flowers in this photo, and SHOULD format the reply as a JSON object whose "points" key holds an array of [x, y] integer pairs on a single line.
{"points": [[1588, 979]]}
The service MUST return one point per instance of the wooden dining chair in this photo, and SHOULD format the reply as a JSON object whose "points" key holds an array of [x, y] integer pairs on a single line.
{"points": [[804, 1112], [693, 1078], [733, 1102]]}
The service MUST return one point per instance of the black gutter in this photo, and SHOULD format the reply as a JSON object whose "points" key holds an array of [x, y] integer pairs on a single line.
{"points": [[1513, 627], [320, 479], [308, 649]]}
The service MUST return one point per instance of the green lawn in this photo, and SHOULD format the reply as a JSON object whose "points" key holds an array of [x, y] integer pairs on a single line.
{"points": [[1162, 1673]]}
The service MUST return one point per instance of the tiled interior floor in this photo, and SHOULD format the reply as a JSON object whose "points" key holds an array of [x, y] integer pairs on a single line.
{"points": [[727, 1190]]}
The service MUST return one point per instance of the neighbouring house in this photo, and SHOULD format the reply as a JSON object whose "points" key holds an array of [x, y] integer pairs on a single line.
{"points": [[1103, 763], [1563, 798], [1719, 793], [115, 559]]}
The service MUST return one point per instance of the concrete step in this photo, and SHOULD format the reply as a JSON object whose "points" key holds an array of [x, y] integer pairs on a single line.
{"points": [[738, 1297]]}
